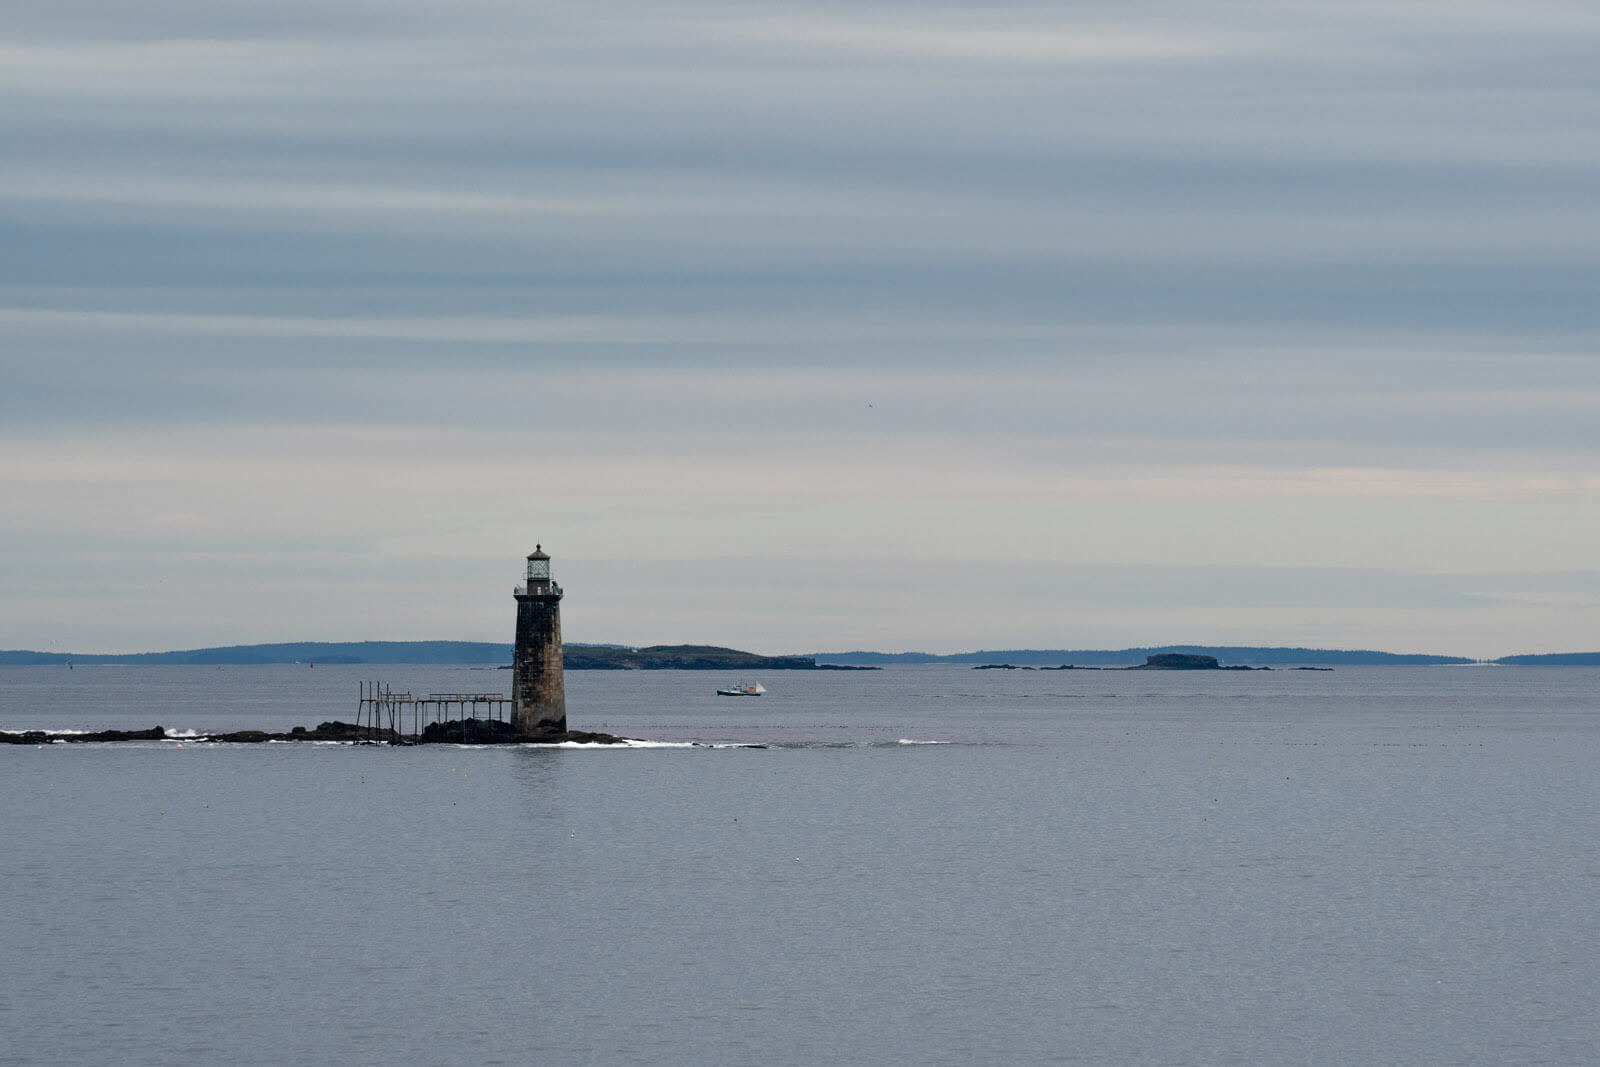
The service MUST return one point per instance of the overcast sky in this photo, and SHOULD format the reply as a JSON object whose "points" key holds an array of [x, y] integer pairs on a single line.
{"points": [[802, 326]]}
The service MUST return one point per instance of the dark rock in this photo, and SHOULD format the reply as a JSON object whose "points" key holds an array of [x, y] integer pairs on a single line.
{"points": [[41, 737], [495, 732], [155, 733], [1177, 661], [470, 732], [25, 737], [342, 731]]}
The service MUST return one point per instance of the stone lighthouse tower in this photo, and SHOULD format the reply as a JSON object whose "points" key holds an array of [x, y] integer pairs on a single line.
{"points": [[538, 691]]}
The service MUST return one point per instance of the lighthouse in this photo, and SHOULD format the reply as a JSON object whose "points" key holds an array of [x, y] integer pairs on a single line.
{"points": [[538, 691]]}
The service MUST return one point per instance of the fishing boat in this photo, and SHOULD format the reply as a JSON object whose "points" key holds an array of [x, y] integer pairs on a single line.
{"points": [[743, 689]]}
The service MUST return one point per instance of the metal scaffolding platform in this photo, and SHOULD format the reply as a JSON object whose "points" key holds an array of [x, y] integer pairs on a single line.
{"points": [[401, 717]]}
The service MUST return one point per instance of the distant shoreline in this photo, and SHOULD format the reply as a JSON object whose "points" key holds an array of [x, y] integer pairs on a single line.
{"points": [[715, 658]]}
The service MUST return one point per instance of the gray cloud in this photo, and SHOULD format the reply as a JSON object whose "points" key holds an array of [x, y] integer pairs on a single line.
{"points": [[1315, 252]]}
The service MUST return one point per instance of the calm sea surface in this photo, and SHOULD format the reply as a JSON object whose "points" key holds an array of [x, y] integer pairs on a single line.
{"points": [[1376, 866]]}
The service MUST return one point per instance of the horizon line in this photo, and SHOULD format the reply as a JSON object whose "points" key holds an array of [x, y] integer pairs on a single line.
{"points": [[838, 652]]}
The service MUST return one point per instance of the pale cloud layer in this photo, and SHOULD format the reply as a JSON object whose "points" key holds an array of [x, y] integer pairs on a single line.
{"points": [[802, 326]]}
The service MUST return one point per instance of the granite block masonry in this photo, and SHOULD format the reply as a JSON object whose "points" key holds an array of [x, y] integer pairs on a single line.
{"points": [[538, 690]]}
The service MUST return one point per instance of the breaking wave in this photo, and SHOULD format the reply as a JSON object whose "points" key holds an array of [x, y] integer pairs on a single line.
{"points": [[635, 743]]}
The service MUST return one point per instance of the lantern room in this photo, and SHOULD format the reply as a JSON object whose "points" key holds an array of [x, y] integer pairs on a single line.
{"points": [[538, 566]]}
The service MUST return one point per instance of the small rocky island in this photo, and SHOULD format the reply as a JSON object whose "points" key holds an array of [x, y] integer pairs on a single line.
{"points": [[1160, 661], [1185, 661], [458, 732]]}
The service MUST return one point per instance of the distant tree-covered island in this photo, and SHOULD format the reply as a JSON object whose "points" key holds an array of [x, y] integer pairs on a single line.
{"points": [[1553, 659], [1273, 656], [686, 658], [1160, 661], [463, 653], [574, 657]]}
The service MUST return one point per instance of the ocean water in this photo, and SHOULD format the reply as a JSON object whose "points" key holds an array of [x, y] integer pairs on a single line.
{"points": [[927, 865]]}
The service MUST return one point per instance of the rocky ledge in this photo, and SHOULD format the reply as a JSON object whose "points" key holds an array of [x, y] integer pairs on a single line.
{"points": [[1161, 661], [495, 732], [460, 732], [1184, 661]]}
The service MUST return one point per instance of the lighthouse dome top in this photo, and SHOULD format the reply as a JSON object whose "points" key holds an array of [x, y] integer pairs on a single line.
{"points": [[539, 570]]}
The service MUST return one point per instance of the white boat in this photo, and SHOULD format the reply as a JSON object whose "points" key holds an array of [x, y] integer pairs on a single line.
{"points": [[743, 689]]}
